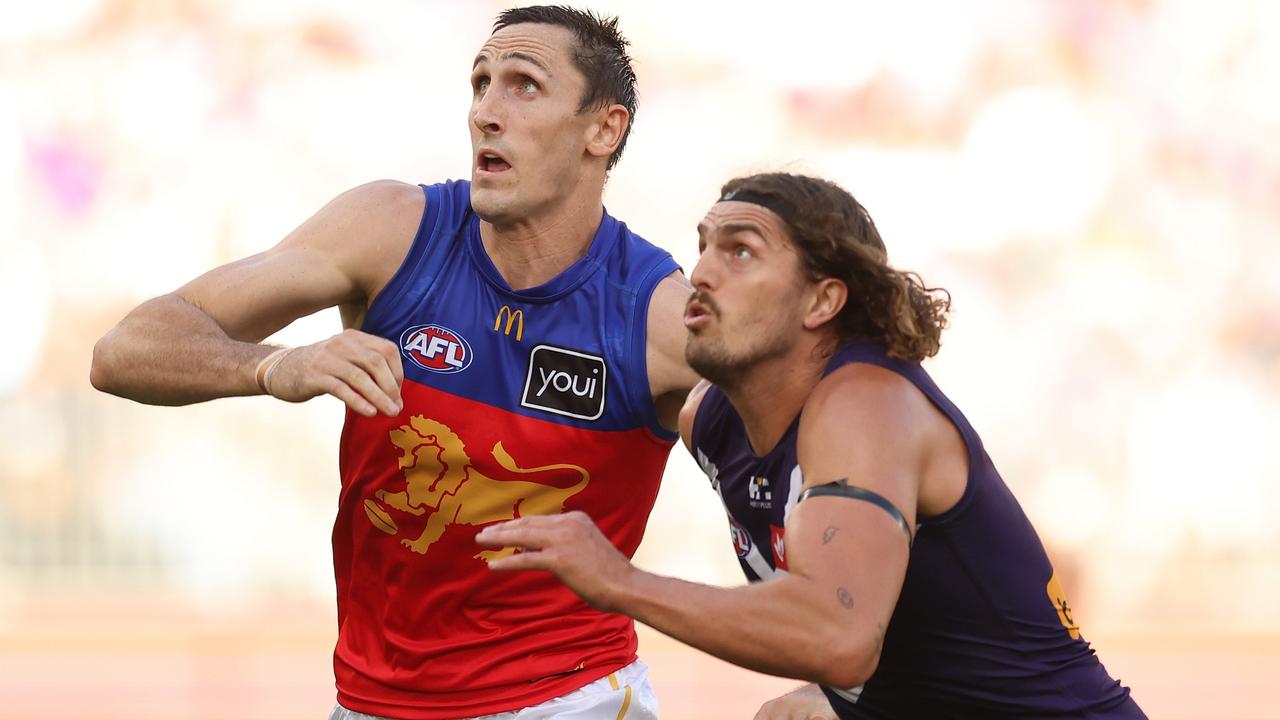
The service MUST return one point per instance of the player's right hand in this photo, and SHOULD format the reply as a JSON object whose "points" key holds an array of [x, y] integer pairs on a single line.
{"points": [[803, 703], [360, 369]]}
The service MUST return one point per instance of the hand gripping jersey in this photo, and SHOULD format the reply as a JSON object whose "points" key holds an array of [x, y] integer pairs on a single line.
{"points": [[982, 628], [517, 403]]}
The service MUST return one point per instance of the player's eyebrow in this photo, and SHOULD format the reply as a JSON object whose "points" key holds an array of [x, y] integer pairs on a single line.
{"points": [[731, 228], [742, 227], [746, 227], [513, 55]]}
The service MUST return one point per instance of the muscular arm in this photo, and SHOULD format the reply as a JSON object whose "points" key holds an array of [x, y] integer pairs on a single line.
{"points": [[825, 620], [669, 375], [202, 341]]}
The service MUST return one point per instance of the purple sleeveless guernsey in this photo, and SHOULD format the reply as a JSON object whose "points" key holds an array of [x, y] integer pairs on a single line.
{"points": [[516, 402], [982, 628]]}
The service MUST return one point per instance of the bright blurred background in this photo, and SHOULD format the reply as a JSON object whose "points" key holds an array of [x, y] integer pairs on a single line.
{"points": [[1097, 183]]}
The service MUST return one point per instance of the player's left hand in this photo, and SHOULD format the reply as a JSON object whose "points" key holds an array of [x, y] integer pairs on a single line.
{"points": [[804, 703], [569, 546]]}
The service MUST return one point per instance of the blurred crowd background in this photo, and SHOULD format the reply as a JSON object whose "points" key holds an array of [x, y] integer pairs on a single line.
{"points": [[1097, 184]]}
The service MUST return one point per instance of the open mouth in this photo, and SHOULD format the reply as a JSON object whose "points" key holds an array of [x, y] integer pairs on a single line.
{"points": [[696, 313], [492, 162]]}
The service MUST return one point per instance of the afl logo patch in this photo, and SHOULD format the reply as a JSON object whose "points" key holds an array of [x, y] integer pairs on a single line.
{"points": [[741, 539], [565, 382], [435, 348]]}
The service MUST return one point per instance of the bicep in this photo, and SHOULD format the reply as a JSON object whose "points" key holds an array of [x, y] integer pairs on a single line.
{"points": [[256, 296], [854, 557], [341, 255], [867, 426], [859, 426]]}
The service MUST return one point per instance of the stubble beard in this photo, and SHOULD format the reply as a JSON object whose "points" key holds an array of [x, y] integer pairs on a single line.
{"points": [[710, 358]]}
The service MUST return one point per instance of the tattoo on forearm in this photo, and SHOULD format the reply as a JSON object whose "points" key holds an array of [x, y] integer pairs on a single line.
{"points": [[844, 597], [827, 534]]}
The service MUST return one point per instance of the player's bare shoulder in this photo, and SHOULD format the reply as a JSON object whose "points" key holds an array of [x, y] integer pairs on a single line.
{"points": [[690, 411], [667, 336], [865, 416], [670, 377], [370, 229], [868, 397]]}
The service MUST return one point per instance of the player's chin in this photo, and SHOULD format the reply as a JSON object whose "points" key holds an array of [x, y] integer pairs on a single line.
{"points": [[492, 205]]}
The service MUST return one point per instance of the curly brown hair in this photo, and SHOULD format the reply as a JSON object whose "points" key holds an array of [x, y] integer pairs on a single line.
{"points": [[835, 237]]}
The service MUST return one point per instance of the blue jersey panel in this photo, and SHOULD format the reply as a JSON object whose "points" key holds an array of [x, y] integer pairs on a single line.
{"points": [[571, 350]]}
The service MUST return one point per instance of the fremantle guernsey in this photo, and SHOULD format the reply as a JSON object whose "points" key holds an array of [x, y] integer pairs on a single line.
{"points": [[516, 403], [982, 628]]}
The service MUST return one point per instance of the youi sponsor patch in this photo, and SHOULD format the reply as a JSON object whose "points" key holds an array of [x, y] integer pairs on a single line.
{"points": [[565, 382]]}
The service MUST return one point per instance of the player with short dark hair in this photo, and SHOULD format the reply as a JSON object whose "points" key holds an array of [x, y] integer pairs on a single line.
{"points": [[599, 52], [892, 564], [511, 349]]}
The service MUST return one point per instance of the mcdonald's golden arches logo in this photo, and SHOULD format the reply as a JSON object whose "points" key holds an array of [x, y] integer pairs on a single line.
{"points": [[514, 317]]}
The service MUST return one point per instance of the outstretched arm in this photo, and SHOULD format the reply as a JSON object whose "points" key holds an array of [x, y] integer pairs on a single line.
{"points": [[203, 340], [825, 620]]}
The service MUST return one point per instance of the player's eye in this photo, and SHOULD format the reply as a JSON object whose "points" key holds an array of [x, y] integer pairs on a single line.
{"points": [[528, 86], [742, 252], [480, 84]]}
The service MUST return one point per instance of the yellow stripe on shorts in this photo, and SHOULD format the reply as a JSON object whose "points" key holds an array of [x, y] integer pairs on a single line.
{"points": [[626, 699]]}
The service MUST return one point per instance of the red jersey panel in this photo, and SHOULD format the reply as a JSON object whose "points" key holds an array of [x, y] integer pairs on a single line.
{"points": [[445, 636], [517, 402]]}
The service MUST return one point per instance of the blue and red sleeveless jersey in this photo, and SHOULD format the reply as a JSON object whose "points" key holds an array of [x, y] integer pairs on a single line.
{"points": [[982, 628], [517, 402]]}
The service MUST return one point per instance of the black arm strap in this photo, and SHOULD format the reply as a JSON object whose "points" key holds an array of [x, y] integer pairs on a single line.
{"points": [[842, 488]]}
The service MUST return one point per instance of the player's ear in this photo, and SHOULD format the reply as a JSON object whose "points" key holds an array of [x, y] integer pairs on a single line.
{"points": [[605, 134], [826, 299]]}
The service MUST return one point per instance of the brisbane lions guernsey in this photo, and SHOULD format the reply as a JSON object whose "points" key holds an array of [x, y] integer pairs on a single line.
{"points": [[516, 402], [982, 628]]}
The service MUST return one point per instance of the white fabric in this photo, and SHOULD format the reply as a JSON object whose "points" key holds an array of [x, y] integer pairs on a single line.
{"points": [[624, 695]]}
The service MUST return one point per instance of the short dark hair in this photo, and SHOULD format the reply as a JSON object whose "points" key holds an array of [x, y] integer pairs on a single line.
{"points": [[835, 237], [600, 54]]}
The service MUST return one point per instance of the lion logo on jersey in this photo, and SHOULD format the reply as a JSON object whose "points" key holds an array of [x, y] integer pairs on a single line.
{"points": [[441, 479]]}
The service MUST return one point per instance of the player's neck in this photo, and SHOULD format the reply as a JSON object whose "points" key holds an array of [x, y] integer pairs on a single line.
{"points": [[536, 249], [770, 395]]}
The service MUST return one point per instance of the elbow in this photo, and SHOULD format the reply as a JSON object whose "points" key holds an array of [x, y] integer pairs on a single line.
{"points": [[848, 665], [101, 372]]}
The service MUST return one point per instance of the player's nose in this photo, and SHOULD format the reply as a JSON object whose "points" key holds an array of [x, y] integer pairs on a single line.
{"points": [[486, 112], [703, 272]]}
